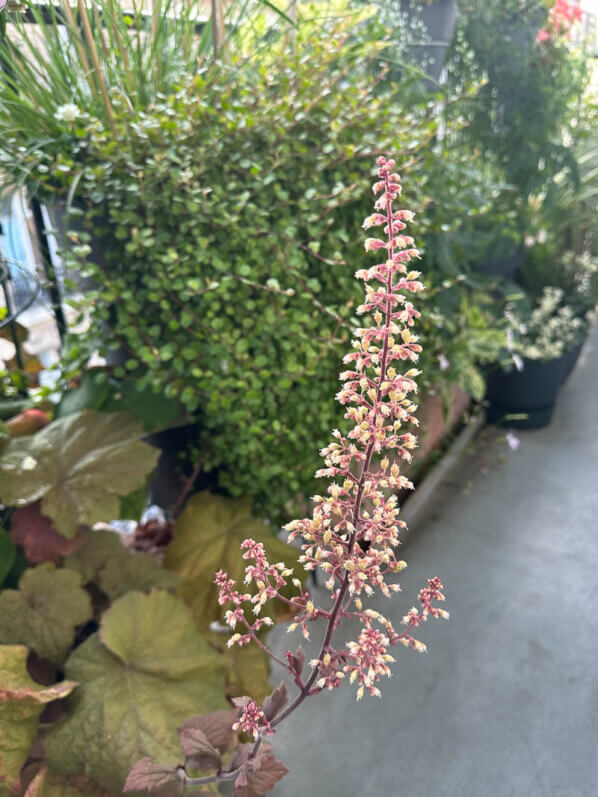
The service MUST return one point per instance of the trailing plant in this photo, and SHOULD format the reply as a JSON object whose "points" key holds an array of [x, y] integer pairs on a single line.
{"points": [[173, 242], [350, 537], [544, 331], [574, 274]]}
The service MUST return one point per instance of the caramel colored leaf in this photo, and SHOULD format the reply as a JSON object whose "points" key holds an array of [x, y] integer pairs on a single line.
{"points": [[21, 703], [261, 775], [40, 540], [134, 571], [79, 466], [199, 752], [142, 676], [275, 702], [217, 727], [44, 612], [207, 538], [98, 548], [146, 776]]}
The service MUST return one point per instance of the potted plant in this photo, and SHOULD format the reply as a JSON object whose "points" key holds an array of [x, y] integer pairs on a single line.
{"points": [[438, 18], [541, 338], [576, 275]]}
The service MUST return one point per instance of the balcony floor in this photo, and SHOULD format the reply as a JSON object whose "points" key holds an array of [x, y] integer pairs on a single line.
{"points": [[505, 704]]}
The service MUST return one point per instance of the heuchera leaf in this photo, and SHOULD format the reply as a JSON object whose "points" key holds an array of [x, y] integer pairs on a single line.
{"points": [[40, 540], [21, 703], [134, 571], [199, 752], [8, 553], [217, 727], [141, 676], [207, 537], [247, 668], [79, 466], [261, 775], [275, 702], [148, 777], [104, 560], [49, 784], [44, 612], [97, 549]]}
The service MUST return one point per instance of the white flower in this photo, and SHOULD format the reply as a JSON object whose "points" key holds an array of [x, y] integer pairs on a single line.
{"points": [[68, 113], [513, 441], [529, 241], [542, 237], [443, 362], [518, 361]]}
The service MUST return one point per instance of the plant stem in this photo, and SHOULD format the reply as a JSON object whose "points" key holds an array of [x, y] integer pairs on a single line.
{"points": [[180, 501], [365, 472], [359, 483]]}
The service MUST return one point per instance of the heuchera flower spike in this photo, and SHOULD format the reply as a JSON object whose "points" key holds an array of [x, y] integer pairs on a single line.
{"points": [[354, 529]]}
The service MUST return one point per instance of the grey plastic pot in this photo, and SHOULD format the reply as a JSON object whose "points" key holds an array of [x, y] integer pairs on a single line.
{"points": [[439, 19]]}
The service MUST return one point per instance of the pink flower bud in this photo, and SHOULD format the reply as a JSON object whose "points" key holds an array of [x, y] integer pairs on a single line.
{"points": [[372, 244]]}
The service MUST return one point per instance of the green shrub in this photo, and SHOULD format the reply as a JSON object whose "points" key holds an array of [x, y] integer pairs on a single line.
{"points": [[206, 207], [212, 284]]}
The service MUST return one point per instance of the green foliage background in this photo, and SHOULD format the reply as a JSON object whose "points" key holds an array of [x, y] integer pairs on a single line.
{"points": [[228, 218], [215, 214], [213, 288]]}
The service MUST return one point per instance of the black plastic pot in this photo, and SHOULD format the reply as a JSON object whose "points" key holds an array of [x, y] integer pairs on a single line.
{"points": [[531, 392], [439, 19]]}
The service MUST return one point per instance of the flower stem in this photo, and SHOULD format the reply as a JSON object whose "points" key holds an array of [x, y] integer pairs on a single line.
{"points": [[365, 472]]}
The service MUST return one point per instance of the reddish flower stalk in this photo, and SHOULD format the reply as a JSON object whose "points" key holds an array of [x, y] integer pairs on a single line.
{"points": [[354, 529]]}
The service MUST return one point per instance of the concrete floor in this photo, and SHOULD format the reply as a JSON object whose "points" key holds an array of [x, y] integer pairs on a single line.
{"points": [[505, 704]]}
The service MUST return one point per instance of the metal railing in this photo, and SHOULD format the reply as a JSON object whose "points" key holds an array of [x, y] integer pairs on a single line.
{"points": [[15, 305]]}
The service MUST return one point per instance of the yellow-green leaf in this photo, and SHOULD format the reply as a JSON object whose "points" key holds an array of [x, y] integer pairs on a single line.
{"points": [[247, 668], [104, 560], [207, 538], [141, 676], [79, 466], [21, 703], [44, 612]]}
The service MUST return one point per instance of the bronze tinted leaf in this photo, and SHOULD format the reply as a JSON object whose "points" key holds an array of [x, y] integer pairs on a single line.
{"points": [[40, 540]]}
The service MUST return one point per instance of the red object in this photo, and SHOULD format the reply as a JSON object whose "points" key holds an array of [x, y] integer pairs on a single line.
{"points": [[563, 15], [27, 422]]}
